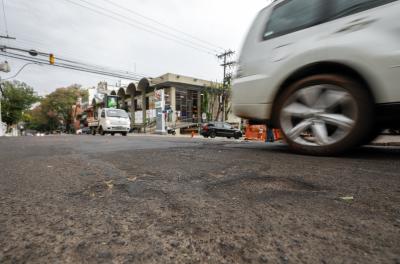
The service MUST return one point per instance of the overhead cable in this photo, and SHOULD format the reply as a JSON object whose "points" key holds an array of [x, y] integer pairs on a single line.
{"points": [[161, 34]]}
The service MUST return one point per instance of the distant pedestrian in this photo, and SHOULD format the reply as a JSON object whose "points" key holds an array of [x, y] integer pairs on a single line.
{"points": [[270, 134]]}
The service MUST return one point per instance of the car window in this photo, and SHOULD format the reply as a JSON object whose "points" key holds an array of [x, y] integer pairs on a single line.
{"points": [[341, 8], [227, 126], [103, 114], [117, 113], [293, 15]]}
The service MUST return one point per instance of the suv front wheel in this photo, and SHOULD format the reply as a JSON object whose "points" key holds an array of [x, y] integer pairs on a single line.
{"points": [[325, 114]]}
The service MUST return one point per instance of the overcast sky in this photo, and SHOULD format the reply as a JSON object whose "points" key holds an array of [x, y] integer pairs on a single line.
{"points": [[73, 32]]}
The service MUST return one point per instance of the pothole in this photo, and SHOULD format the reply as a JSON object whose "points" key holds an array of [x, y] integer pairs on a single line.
{"points": [[131, 187], [138, 189], [256, 185]]}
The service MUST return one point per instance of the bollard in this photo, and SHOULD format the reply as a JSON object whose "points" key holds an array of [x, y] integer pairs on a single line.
{"points": [[192, 134]]}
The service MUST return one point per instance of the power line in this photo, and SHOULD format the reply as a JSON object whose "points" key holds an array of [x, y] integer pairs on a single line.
{"points": [[101, 67], [81, 69], [70, 67], [161, 24], [164, 35], [145, 28], [74, 63], [149, 26], [7, 37]]}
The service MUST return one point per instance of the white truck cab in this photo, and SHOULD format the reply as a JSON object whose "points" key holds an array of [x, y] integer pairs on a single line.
{"points": [[111, 121]]}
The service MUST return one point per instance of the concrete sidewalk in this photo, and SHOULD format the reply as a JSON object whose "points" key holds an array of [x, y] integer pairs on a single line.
{"points": [[387, 140]]}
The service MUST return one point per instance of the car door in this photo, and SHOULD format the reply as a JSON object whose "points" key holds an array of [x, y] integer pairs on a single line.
{"points": [[370, 30], [280, 33], [228, 131], [218, 129]]}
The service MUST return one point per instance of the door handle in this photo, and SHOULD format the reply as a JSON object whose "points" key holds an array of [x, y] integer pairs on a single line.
{"points": [[357, 24], [281, 52]]}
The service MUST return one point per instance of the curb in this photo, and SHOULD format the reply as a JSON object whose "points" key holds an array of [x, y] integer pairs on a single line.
{"points": [[385, 144]]}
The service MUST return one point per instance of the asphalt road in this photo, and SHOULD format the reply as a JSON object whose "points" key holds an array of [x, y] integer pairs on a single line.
{"points": [[84, 199]]}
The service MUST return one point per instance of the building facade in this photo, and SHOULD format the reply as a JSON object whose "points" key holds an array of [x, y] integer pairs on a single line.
{"points": [[188, 100]]}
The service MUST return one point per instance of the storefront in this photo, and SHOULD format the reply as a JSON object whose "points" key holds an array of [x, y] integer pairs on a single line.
{"points": [[186, 107]]}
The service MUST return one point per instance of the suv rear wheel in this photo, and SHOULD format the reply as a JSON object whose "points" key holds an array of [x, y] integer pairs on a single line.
{"points": [[325, 114], [213, 134]]}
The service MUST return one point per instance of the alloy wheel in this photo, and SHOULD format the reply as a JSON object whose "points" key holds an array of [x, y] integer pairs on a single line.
{"points": [[318, 115]]}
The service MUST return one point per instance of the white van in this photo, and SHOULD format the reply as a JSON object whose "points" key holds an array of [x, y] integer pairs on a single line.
{"points": [[111, 121]]}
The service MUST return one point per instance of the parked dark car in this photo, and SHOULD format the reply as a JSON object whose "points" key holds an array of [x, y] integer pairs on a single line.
{"points": [[220, 129], [86, 131]]}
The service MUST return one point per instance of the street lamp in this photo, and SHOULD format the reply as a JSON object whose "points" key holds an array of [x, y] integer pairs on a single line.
{"points": [[4, 67]]}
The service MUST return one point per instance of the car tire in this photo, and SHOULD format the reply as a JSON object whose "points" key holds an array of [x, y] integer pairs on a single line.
{"points": [[101, 131], [93, 132], [124, 134], [228, 137], [325, 114], [237, 136], [212, 134], [112, 134]]}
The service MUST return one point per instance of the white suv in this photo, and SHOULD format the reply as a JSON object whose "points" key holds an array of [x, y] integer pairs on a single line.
{"points": [[326, 72]]}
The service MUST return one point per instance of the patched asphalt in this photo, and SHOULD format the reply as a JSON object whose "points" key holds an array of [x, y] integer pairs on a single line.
{"points": [[85, 199]]}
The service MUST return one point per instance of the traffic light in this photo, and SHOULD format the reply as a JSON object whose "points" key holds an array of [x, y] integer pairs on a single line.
{"points": [[52, 59]]}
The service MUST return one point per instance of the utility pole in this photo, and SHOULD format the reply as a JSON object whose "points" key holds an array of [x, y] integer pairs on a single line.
{"points": [[227, 64]]}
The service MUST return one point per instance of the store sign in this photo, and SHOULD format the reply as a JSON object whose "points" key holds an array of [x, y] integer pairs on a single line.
{"points": [[112, 102], [159, 96], [204, 116], [150, 114]]}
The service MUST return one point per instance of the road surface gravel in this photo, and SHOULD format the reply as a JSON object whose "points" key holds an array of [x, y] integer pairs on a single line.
{"points": [[84, 199]]}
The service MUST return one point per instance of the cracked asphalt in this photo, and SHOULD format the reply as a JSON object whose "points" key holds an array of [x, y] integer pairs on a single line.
{"points": [[85, 199]]}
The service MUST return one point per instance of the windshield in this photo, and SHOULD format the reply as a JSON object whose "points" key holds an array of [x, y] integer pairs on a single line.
{"points": [[345, 7], [227, 126], [117, 113]]}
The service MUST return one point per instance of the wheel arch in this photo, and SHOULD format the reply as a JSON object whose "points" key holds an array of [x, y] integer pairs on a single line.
{"points": [[324, 67]]}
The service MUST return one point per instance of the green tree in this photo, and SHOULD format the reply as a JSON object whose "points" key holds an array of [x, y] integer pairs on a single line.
{"points": [[38, 120], [17, 98], [211, 104], [55, 109]]}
